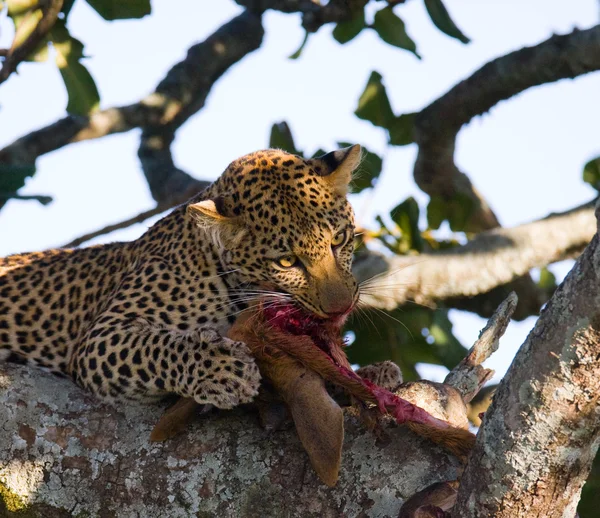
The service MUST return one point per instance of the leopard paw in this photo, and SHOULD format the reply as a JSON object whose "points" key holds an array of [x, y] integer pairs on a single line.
{"points": [[229, 376]]}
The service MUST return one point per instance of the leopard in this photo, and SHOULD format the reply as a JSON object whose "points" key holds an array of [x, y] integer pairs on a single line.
{"points": [[145, 319]]}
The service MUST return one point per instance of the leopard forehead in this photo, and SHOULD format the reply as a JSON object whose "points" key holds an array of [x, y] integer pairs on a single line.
{"points": [[285, 198]]}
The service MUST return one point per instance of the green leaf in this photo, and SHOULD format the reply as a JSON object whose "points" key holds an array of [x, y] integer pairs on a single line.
{"points": [[374, 105], [406, 216], [401, 129], [461, 208], [281, 138], [345, 31], [391, 29], [457, 211], [591, 173], [547, 280], [20, 7], [24, 24], [81, 88], [440, 17], [436, 212], [298, 53], [12, 176], [121, 9], [368, 171]]}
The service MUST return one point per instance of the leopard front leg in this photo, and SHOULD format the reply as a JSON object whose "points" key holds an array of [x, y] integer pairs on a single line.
{"points": [[139, 360]]}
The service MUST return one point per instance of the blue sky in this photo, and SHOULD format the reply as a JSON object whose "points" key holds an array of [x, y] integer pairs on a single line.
{"points": [[525, 156]]}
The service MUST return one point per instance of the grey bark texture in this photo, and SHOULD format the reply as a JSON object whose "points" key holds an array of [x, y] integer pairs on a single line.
{"points": [[457, 276], [535, 448], [63, 453]]}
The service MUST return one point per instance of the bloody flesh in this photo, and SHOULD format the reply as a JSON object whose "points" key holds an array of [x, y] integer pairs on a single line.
{"points": [[336, 368]]}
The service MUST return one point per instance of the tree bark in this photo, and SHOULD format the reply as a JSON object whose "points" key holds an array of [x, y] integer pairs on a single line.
{"points": [[541, 433], [491, 259], [437, 125], [63, 453]]}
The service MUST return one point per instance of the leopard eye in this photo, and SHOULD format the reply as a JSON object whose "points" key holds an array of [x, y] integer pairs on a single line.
{"points": [[339, 238], [286, 261]]}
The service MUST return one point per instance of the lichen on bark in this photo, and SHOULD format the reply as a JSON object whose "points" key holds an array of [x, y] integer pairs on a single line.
{"points": [[64, 453]]}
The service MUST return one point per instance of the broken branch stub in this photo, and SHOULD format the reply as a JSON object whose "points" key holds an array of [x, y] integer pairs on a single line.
{"points": [[469, 375]]}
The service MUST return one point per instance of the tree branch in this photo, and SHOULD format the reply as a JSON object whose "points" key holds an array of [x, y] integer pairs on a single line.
{"points": [[545, 411], [178, 96], [141, 217], [17, 53], [60, 448], [491, 259], [469, 376], [437, 125], [69, 451], [314, 15], [498, 256]]}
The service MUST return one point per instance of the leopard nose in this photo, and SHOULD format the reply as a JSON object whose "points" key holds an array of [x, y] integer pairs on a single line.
{"points": [[338, 305]]}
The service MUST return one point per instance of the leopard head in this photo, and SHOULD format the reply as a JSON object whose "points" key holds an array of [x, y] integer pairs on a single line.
{"points": [[283, 223]]}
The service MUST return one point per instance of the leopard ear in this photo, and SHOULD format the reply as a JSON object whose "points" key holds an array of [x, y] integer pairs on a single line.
{"points": [[338, 166], [207, 213]]}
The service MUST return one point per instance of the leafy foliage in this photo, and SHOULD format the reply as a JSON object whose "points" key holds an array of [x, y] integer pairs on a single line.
{"points": [[298, 53], [456, 210], [13, 176], [408, 336], [348, 30], [81, 88], [591, 173], [374, 106], [440, 17], [281, 138], [119, 9], [392, 30], [406, 216]]}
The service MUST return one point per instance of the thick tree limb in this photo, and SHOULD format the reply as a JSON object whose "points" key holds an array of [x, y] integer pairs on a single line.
{"points": [[541, 433], [64, 453], [437, 125], [18, 52], [61, 451], [491, 259], [178, 96], [474, 277]]}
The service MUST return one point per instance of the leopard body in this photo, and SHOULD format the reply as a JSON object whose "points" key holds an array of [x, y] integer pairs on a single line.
{"points": [[142, 319]]}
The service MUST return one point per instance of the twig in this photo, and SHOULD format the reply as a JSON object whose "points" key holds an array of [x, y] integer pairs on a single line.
{"points": [[42, 198], [50, 10], [143, 216], [469, 375], [437, 125]]}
